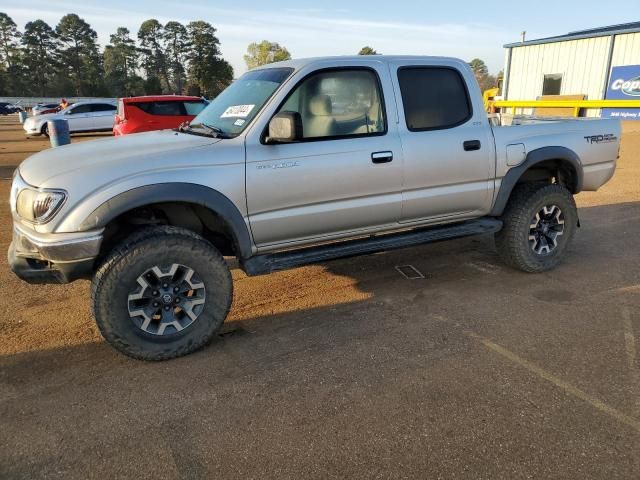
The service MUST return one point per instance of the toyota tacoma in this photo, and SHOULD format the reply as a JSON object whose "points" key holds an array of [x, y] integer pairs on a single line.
{"points": [[294, 163]]}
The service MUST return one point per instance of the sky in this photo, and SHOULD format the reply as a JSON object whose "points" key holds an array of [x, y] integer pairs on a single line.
{"points": [[459, 28]]}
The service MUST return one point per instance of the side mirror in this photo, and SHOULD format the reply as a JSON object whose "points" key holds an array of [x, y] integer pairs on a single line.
{"points": [[285, 127]]}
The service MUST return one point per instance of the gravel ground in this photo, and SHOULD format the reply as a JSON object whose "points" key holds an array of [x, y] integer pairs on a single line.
{"points": [[347, 369]]}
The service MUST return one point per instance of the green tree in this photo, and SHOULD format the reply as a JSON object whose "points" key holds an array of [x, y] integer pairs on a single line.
{"points": [[153, 57], [79, 56], [10, 68], [40, 55], [176, 40], [367, 51], [120, 62], [479, 67], [481, 72], [208, 73], [9, 38], [265, 52]]}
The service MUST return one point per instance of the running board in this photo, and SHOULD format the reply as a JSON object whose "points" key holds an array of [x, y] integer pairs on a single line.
{"points": [[267, 263]]}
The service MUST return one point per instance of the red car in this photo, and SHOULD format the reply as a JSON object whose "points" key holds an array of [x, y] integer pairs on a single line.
{"points": [[158, 112]]}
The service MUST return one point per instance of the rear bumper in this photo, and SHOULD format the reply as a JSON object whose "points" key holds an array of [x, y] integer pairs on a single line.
{"points": [[53, 258]]}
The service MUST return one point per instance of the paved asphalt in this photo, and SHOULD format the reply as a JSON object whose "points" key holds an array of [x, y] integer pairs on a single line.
{"points": [[349, 370]]}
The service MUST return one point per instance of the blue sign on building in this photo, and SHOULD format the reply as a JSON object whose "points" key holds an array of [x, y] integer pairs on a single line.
{"points": [[624, 84]]}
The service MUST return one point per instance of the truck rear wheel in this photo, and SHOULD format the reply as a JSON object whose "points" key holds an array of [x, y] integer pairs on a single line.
{"points": [[162, 293], [539, 223]]}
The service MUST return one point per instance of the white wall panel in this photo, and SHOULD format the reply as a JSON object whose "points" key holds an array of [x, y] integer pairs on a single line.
{"points": [[626, 50], [582, 63]]}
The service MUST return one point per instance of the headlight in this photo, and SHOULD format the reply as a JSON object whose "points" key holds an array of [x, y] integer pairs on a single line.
{"points": [[39, 205]]}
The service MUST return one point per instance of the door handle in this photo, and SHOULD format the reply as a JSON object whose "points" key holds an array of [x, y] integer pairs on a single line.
{"points": [[471, 145], [381, 157]]}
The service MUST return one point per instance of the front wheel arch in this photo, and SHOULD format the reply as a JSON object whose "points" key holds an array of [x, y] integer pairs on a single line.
{"points": [[178, 192]]}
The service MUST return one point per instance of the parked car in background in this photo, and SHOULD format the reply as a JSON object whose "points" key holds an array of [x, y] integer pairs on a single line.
{"points": [[7, 108], [88, 116], [160, 112], [43, 108]]}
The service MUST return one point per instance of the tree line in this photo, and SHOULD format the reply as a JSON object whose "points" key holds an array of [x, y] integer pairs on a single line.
{"points": [[66, 60]]}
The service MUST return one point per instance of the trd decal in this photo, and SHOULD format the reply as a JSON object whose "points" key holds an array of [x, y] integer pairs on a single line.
{"points": [[606, 138]]}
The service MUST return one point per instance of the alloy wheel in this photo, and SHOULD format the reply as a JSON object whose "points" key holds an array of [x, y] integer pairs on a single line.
{"points": [[166, 299], [545, 228]]}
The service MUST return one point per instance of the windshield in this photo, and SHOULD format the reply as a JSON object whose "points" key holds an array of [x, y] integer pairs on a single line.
{"points": [[232, 110]]}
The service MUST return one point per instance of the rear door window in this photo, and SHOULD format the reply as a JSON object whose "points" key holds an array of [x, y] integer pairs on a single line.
{"points": [[433, 98], [103, 107], [81, 109]]}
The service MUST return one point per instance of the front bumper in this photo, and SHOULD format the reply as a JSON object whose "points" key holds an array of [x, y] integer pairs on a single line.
{"points": [[53, 258], [31, 129]]}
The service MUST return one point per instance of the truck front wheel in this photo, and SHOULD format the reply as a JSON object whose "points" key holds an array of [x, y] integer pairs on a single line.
{"points": [[539, 223], [162, 293]]}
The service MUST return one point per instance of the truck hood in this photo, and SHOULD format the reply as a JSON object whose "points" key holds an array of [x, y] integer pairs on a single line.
{"points": [[118, 153]]}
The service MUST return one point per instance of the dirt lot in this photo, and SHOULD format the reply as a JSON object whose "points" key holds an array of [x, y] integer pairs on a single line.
{"points": [[348, 369]]}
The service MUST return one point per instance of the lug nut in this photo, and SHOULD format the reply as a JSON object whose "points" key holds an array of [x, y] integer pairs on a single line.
{"points": [[176, 289], [155, 292], [165, 285], [155, 304], [177, 300], [166, 308]]}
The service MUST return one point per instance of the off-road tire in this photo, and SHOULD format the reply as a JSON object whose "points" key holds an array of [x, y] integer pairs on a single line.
{"points": [[118, 274], [45, 130], [512, 242]]}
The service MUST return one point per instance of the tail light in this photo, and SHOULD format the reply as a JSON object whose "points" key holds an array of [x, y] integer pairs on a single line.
{"points": [[121, 116]]}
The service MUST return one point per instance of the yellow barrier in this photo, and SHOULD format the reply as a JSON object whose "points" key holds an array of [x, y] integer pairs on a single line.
{"points": [[575, 104]]}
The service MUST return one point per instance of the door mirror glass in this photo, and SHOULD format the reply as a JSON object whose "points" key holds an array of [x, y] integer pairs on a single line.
{"points": [[285, 127]]}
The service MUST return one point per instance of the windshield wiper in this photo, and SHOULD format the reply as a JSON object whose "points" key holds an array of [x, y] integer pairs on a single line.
{"points": [[219, 132], [210, 130]]}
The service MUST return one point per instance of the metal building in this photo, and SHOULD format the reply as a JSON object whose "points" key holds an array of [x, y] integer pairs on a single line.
{"points": [[586, 62]]}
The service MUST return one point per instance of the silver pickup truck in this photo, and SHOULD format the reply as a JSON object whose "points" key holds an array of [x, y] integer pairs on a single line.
{"points": [[294, 163]]}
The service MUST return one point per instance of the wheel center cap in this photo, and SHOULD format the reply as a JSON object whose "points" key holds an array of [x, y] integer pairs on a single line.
{"points": [[167, 298]]}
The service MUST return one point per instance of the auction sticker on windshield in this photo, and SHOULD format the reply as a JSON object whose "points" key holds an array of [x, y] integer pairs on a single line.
{"points": [[237, 111]]}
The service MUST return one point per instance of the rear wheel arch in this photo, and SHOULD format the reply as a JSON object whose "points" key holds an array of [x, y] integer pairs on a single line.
{"points": [[196, 206], [558, 164]]}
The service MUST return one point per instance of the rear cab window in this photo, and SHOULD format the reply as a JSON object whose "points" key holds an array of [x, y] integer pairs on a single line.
{"points": [[433, 98]]}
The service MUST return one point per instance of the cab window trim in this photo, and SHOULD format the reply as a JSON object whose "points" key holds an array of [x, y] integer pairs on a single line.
{"points": [[436, 67], [381, 133]]}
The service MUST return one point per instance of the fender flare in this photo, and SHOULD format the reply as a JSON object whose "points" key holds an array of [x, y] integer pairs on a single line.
{"points": [[175, 192], [534, 157]]}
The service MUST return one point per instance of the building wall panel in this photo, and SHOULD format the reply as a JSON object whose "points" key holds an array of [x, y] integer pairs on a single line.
{"points": [[626, 50], [582, 63]]}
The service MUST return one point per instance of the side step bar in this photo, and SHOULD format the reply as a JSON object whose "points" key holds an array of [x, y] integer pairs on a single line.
{"points": [[271, 262]]}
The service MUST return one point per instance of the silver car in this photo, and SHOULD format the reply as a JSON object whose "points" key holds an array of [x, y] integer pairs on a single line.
{"points": [[86, 116], [296, 162]]}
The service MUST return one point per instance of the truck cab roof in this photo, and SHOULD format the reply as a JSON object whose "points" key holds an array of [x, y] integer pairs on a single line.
{"points": [[299, 63]]}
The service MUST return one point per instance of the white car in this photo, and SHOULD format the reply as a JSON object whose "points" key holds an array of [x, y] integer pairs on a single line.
{"points": [[89, 116]]}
